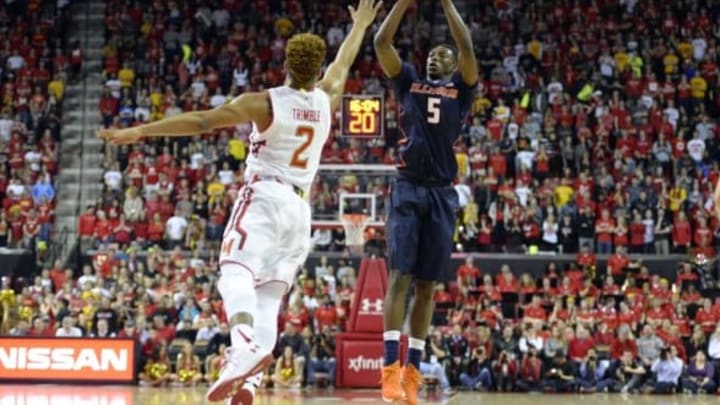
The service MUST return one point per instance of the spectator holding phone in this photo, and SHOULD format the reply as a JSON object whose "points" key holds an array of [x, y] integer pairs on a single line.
{"points": [[592, 374], [477, 374], [628, 375], [560, 376], [667, 370], [531, 371]]}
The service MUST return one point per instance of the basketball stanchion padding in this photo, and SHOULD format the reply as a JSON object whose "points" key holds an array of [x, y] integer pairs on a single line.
{"points": [[366, 313], [359, 351]]}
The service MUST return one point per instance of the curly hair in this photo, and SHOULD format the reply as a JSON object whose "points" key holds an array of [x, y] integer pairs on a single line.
{"points": [[305, 55]]}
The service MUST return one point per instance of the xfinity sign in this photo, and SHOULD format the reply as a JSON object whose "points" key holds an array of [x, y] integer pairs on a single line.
{"points": [[361, 363]]}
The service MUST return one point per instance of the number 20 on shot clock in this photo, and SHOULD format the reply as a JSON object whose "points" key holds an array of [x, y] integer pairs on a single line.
{"points": [[363, 116]]}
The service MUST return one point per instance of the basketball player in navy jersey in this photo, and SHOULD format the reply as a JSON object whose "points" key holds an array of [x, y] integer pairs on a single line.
{"points": [[423, 202]]}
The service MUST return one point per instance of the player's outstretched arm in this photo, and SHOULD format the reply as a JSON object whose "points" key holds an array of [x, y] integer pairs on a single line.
{"points": [[387, 55], [333, 83], [467, 63], [244, 108]]}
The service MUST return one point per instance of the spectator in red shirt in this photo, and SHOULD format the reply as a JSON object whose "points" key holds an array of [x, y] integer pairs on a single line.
{"points": [[129, 331], [588, 289], [531, 369], [637, 234], [618, 262], [586, 258], [535, 313], [604, 337], [656, 313], [580, 344], [468, 274], [620, 233], [41, 327], [498, 161], [506, 280], [325, 314], [681, 233], [604, 228], [610, 287], [706, 317], [679, 319], [490, 291], [156, 229], [703, 235], [686, 274], [164, 333], [623, 343], [559, 312]]}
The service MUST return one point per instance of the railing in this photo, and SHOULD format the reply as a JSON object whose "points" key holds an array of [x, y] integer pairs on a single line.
{"points": [[57, 246]]}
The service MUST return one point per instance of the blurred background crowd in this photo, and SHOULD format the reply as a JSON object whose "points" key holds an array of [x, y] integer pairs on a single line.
{"points": [[593, 132]]}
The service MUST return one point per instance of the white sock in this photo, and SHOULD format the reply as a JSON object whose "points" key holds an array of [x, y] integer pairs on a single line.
{"points": [[415, 343], [392, 335], [269, 298], [237, 288]]}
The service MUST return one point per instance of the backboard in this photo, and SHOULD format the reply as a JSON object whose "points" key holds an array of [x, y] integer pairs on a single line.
{"points": [[347, 189]]}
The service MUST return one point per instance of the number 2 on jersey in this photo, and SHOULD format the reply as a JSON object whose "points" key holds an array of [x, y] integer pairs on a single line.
{"points": [[434, 110], [299, 161]]}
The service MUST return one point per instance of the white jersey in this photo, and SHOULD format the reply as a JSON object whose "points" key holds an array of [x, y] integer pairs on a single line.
{"points": [[291, 147]]}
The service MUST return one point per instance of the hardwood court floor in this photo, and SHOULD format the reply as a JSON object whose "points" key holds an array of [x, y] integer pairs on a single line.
{"points": [[120, 395]]}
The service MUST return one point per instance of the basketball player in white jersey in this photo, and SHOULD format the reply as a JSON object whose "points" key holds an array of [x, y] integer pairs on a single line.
{"points": [[268, 235]]}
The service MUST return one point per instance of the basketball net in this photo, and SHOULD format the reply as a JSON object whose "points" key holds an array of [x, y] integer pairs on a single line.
{"points": [[354, 225]]}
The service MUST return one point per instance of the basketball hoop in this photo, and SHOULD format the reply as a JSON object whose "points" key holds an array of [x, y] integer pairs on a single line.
{"points": [[354, 225]]}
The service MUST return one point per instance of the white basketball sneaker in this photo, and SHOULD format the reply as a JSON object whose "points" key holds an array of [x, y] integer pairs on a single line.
{"points": [[242, 360], [246, 394]]}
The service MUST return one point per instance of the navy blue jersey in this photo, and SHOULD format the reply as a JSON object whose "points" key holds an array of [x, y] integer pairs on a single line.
{"points": [[431, 115]]}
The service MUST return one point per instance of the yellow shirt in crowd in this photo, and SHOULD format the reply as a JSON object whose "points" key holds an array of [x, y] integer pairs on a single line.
{"points": [[236, 148], [535, 49], [563, 193], [480, 105], [671, 62], [621, 61], [126, 77], [685, 49], [462, 163], [698, 86], [57, 89]]}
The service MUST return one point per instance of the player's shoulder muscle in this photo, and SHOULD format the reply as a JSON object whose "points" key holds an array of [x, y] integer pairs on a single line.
{"points": [[253, 106], [405, 78]]}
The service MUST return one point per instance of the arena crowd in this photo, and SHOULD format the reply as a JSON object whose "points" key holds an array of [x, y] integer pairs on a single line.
{"points": [[593, 132]]}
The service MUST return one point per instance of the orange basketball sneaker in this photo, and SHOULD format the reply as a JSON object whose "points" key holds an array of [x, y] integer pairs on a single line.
{"points": [[392, 390], [411, 381]]}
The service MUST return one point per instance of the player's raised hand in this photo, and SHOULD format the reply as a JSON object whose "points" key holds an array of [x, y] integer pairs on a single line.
{"points": [[120, 136], [365, 12]]}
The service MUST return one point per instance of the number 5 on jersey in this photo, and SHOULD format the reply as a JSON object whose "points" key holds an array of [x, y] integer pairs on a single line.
{"points": [[298, 160], [433, 110]]}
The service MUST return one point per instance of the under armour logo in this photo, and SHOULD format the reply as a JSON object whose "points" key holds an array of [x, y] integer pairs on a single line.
{"points": [[366, 305], [255, 147], [361, 363]]}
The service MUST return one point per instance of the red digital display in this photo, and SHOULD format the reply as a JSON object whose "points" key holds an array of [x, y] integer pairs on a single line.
{"points": [[363, 116]]}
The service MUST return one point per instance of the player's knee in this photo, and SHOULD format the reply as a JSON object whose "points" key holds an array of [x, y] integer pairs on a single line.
{"points": [[424, 289], [398, 282]]}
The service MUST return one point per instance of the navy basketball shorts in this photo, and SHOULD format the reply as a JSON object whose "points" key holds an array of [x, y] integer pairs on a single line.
{"points": [[420, 228]]}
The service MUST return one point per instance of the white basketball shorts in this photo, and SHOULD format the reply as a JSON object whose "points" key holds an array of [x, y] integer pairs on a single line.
{"points": [[268, 233]]}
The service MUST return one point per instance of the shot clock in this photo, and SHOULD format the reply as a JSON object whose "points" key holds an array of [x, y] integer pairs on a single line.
{"points": [[363, 116]]}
